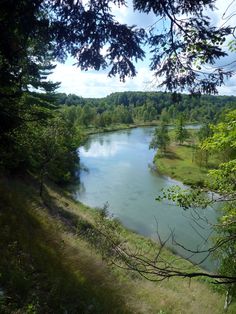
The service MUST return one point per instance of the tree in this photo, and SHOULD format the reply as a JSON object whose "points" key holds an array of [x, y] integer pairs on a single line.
{"points": [[222, 139], [39, 31], [160, 138], [181, 133], [175, 56], [35, 33], [204, 133], [87, 115], [50, 150], [165, 116], [156, 267]]}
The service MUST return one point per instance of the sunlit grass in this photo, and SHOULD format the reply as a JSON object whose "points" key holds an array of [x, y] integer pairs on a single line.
{"points": [[47, 266], [182, 162]]}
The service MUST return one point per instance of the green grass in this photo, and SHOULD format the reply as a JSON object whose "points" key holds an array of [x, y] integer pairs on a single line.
{"points": [[180, 162], [177, 163], [42, 269], [49, 265]]}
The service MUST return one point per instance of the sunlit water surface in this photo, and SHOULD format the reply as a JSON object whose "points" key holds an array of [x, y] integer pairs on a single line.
{"points": [[117, 171]]}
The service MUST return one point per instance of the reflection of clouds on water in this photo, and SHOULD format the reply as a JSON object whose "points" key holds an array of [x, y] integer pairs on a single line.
{"points": [[119, 173], [100, 150], [124, 165]]}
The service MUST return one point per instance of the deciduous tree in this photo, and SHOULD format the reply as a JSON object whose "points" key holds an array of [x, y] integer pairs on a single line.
{"points": [[160, 138], [181, 133]]}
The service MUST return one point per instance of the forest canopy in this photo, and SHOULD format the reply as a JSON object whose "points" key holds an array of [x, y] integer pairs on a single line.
{"points": [[39, 135]]}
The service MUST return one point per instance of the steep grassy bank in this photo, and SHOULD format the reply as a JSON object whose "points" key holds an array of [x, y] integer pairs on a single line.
{"points": [[49, 265]]}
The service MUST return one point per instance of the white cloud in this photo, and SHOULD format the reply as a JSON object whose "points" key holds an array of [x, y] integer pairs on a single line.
{"points": [[225, 13], [229, 88], [97, 84], [126, 15]]}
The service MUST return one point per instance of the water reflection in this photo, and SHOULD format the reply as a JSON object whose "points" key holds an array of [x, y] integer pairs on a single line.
{"points": [[100, 149], [119, 174]]}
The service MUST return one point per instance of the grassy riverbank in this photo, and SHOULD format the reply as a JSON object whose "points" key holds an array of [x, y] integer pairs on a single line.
{"points": [[181, 162], [49, 265], [178, 163]]}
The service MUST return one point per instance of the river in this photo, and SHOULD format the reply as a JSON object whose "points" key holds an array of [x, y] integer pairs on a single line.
{"points": [[117, 171]]}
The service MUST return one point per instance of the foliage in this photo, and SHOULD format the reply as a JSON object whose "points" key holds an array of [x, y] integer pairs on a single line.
{"points": [[143, 107], [175, 55], [224, 137], [222, 180], [181, 133], [33, 109], [53, 151], [35, 33], [45, 144], [160, 138], [204, 132]]}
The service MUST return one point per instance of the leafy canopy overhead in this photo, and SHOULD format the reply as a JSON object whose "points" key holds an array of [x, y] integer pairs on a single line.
{"points": [[34, 33]]}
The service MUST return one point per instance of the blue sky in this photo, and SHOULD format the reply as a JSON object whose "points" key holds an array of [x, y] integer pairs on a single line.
{"points": [[97, 84]]}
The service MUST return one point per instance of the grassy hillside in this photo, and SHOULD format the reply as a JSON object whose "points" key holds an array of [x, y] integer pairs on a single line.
{"points": [[48, 265]]}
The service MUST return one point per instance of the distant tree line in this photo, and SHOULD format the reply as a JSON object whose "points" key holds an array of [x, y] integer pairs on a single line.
{"points": [[129, 107], [51, 125]]}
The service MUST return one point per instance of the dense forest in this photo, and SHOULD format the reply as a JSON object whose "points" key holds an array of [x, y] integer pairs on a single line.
{"points": [[53, 125], [59, 256], [129, 107]]}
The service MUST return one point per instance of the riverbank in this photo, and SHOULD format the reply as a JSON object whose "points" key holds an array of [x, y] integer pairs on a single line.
{"points": [[51, 263], [121, 126], [121, 161], [178, 163], [117, 127], [184, 162]]}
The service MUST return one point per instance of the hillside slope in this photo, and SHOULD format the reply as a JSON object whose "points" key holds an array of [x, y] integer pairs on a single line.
{"points": [[47, 265]]}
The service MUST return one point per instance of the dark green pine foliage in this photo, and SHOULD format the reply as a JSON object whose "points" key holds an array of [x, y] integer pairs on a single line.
{"points": [[36, 33]]}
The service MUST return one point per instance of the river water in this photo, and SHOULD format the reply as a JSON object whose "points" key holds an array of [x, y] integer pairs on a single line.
{"points": [[116, 170]]}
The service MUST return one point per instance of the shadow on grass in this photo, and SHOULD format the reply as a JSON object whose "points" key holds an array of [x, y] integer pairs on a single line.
{"points": [[37, 273], [170, 155]]}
